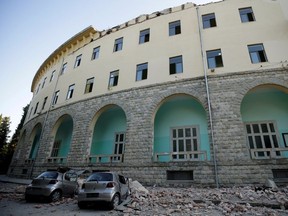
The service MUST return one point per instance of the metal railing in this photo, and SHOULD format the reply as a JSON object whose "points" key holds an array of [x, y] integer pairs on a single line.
{"points": [[182, 156]]}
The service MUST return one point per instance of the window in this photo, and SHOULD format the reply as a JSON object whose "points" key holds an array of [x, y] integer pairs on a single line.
{"points": [[214, 58], [118, 44], [185, 140], [209, 20], [38, 88], [257, 53], [43, 84], [77, 61], [176, 65], [95, 53], [142, 71], [64, 67], [70, 91], [55, 149], [89, 85], [144, 36], [55, 98], [119, 146], [262, 139], [246, 14], [174, 28], [36, 108], [113, 80], [30, 112], [52, 76], [44, 102]]}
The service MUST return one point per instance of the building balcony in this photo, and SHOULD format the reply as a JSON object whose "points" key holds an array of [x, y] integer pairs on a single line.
{"points": [[57, 160], [269, 153], [180, 156], [113, 158]]}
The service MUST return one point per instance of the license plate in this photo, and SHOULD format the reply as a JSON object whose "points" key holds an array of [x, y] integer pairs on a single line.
{"points": [[89, 195]]}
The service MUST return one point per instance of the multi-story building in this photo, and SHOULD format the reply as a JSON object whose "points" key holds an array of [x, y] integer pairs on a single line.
{"points": [[193, 94]]}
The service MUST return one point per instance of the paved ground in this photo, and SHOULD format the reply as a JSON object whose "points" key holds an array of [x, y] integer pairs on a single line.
{"points": [[158, 201]]}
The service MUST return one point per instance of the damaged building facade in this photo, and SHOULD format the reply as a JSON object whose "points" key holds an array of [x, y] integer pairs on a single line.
{"points": [[195, 94]]}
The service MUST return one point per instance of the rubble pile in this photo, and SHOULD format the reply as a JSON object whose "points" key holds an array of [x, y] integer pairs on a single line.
{"points": [[205, 201]]}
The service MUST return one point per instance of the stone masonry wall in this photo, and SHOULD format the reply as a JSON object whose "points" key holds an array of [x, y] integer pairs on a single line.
{"points": [[234, 165]]}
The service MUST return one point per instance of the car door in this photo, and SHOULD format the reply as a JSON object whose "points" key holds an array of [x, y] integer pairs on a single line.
{"points": [[70, 185], [124, 189]]}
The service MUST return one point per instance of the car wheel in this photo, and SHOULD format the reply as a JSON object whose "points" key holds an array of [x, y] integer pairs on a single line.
{"points": [[82, 205], [55, 196], [115, 201], [28, 198]]}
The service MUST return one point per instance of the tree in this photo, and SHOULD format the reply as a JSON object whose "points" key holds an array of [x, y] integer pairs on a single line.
{"points": [[7, 149]]}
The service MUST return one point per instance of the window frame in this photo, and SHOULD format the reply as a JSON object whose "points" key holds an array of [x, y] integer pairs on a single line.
{"points": [[64, 68], [56, 147], [113, 78], [209, 21], [173, 65], [246, 14], [78, 61], [144, 36], [44, 102], [70, 91], [55, 97], [175, 28], [89, 85], [142, 71], [43, 84], [95, 53], [217, 62], [118, 44], [36, 107], [254, 53], [52, 75], [119, 146]]}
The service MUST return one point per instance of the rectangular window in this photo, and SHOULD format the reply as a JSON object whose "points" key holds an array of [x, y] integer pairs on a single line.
{"points": [[55, 149], [70, 91], [257, 53], [176, 65], [55, 98], [52, 76], [209, 20], [144, 36], [214, 58], [89, 85], [44, 102], [78, 61], [95, 53], [118, 44], [179, 175], [184, 141], [174, 28], [119, 146], [43, 84], [64, 67], [113, 80], [246, 14], [141, 71], [36, 108], [262, 139], [38, 88], [30, 112]]}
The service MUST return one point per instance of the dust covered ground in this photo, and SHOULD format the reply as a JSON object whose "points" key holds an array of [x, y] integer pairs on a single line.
{"points": [[158, 201]]}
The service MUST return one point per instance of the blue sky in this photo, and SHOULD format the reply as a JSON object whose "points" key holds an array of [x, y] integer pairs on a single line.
{"points": [[32, 29]]}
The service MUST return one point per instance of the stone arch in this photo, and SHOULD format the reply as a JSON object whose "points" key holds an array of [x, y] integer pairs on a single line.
{"points": [[108, 127], [264, 112], [181, 113], [34, 139], [62, 136]]}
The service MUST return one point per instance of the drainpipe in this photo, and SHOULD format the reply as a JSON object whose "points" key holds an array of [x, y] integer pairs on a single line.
{"points": [[208, 99], [45, 119]]}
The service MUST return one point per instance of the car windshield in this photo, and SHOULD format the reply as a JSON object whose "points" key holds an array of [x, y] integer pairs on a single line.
{"points": [[50, 175], [100, 177]]}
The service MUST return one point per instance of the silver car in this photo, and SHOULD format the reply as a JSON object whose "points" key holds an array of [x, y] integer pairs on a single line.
{"points": [[109, 187], [52, 185]]}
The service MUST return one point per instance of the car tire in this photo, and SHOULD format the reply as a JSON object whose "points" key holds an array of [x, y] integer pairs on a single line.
{"points": [[82, 205], [55, 196], [115, 201], [28, 198]]}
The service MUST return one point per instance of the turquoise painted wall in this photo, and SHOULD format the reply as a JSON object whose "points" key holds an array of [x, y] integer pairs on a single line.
{"points": [[267, 104], [35, 144], [64, 133], [180, 111], [111, 121]]}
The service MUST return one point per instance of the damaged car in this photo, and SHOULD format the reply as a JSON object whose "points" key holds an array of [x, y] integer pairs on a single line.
{"points": [[52, 185], [108, 187]]}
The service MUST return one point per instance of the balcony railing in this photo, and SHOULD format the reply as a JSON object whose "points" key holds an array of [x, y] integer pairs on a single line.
{"points": [[118, 158], [269, 153], [58, 160], [181, 156], [29, 161]]}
